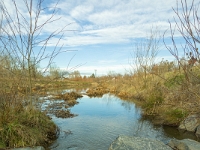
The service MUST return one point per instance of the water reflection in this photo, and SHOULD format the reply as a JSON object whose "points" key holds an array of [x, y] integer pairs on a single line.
{"points": [[175, 133], [102, 120]]}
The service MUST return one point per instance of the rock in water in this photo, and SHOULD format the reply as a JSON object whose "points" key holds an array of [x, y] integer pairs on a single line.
{"points": [[137, 143], [186, 144], [198, 132], [190, 123]]}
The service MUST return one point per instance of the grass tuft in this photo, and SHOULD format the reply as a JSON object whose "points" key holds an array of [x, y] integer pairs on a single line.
{"points": [[25, 126]]}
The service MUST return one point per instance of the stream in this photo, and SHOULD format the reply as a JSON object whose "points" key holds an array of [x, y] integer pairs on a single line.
{"points": [[100, 121]]}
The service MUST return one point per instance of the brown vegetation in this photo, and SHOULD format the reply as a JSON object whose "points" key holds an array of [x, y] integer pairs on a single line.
{"points": [[21, 80], [69, 98], [165, 96], [23, 125], [59, 108], [97, 91], [166, 91]]}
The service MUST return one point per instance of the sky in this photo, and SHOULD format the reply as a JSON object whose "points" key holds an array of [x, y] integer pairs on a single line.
{"points": [[101, 34]]}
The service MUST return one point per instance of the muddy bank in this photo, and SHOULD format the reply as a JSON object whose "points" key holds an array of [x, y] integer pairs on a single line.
{"points": [[97, 91], [60, 104]]}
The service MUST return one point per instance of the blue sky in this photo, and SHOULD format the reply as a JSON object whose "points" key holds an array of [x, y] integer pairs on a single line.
{"points": [[105, 31]]}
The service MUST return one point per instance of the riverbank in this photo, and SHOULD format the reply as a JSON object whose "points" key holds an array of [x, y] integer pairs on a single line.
{"points": [[22, 123], [164, 102], [166, 98], [26, 126]]}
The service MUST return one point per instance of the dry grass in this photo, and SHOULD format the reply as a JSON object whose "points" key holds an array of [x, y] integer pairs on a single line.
{"points": [[167, 94], [23, 126]]}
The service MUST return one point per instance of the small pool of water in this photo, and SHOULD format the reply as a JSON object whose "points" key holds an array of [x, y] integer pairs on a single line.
{"points": [[100, 121]]}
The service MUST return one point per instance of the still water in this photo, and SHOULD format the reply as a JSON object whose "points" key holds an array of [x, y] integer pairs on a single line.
{"points": [[100, 121]]}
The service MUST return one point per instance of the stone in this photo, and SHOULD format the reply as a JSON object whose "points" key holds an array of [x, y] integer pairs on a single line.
{"points": [[137, 143], [186, 144], [190, 123], [178, 145], [30, 148], [198, 132]]}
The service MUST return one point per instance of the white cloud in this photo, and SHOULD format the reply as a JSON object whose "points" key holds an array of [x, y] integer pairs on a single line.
{"points": [[104, 70], [115, 21], [103, 22], [81, 12], [104, 62]]}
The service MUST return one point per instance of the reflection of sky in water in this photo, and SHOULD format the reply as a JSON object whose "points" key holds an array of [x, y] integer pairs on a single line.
{"points": [[100, 121]]}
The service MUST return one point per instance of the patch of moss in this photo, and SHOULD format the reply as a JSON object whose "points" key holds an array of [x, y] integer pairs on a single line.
{"points": [[176, 115]]}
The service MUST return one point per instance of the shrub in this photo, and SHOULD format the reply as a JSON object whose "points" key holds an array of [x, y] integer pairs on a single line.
{"points": [[176, 115], [176, 80], [154, 98]]}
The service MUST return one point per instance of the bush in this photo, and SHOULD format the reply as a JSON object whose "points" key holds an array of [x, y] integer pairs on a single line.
{"points": [[153, 99], [176, 115], [176, 80]]}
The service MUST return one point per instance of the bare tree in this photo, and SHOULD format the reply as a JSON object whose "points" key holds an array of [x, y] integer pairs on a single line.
{"points": [[21, 35], [187, 23], [187, 26], [144, 55]]}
